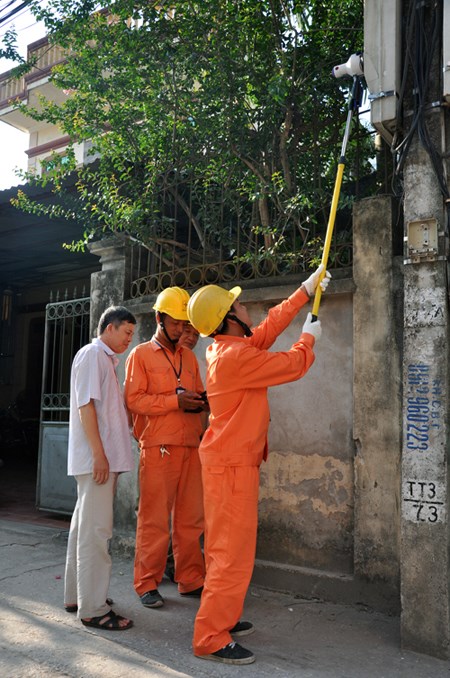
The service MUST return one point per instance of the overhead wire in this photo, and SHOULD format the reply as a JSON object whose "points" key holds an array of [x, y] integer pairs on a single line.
{"points": [[8, 4], [22, 29], [11, 20], [14, 12], [21, 10]]}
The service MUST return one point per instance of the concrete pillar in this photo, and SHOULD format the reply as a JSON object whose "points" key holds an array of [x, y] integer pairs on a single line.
{"points": [[424, 517], [111, 285], [377, 325]]}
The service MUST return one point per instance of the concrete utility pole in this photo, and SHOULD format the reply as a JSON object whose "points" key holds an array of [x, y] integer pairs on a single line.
{"points": [[425, 537]]}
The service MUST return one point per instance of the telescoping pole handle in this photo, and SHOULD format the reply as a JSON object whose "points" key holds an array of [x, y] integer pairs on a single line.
{"points": [[328, 237], [354, 103]]}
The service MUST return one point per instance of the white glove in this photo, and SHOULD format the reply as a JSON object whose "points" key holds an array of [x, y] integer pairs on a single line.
{"points": [[314, 328], [311, 283]]}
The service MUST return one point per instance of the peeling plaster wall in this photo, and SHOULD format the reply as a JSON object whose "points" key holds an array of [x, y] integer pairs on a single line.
{"points": [[306, 495], [306, 512]]}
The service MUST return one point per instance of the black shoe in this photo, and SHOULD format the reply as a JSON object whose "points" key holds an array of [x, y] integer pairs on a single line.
{"points": [[152, 599], [232, 653], [196, 593], [242, 628]]}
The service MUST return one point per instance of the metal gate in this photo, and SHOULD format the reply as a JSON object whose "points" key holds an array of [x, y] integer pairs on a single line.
{"points": [[66, 331]]}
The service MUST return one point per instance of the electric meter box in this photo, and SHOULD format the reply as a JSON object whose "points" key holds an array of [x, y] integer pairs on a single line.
{"points": [[382, 62], [446, 51]]}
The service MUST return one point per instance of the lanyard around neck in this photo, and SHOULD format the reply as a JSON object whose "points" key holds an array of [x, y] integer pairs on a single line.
{"points": [[175, 371]]}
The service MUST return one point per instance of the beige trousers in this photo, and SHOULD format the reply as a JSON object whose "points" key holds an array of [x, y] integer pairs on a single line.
{"points": [[88, 563]]}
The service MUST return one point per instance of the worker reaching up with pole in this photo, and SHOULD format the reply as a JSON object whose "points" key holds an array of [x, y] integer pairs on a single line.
{"points": [[239, 370]]}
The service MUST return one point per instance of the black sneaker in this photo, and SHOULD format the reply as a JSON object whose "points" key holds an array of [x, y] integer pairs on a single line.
{"points": [[152, 599], [233, 653], [196, 593], [242, 628]]}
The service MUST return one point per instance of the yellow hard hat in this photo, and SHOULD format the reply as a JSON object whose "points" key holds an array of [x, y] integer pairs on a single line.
{"points": [[173, 301], [209, 305]]}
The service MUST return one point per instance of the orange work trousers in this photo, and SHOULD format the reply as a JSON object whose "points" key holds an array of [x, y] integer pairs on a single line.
{"points": [[170, 485], [230, 495]]}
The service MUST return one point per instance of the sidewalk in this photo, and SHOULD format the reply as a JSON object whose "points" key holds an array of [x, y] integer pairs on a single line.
{"points": [[293, 638]]}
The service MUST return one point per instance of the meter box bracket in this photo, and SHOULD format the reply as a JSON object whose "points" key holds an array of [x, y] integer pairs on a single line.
{"points": [[421, 241]]}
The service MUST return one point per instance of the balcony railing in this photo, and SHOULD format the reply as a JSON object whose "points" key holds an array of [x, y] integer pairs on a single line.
{"points": [[46, 56], [10, 89]]}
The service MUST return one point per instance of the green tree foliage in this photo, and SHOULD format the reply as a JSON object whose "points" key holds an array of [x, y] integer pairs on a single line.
{"points": [[227, 106]]}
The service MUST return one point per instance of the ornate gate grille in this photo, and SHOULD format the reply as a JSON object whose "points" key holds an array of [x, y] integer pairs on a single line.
{"points": [[66, 331]]}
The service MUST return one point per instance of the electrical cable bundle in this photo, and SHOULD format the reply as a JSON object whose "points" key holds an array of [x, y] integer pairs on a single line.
{"points": [[419, 55]]}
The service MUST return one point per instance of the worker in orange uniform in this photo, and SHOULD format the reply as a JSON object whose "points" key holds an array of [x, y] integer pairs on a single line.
{"points": [[188, 339], [162, 385], [239, 370]]}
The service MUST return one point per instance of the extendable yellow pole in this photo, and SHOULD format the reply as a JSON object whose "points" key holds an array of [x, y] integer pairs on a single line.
{"points": [[354, 102], [328, 237]]}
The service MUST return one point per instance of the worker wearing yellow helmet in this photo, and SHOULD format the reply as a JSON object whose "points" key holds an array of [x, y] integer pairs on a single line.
{"points": [[239, 370], [163, 391]]}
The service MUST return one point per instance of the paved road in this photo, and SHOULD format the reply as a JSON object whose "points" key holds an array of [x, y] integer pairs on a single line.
{"points": [[294, 637]]}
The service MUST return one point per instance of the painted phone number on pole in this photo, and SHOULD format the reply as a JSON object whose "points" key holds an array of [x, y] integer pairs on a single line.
{"points": [[423, 497]]}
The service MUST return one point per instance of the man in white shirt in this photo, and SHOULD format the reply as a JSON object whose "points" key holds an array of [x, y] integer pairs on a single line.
{"points": [[99, 449]]}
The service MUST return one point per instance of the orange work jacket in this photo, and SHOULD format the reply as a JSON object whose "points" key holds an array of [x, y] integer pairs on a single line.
{"points": [[149, 392], [239, 371]]}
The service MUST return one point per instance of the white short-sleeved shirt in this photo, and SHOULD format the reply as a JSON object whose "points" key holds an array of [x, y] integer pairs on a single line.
{"points": [[94, 377]]}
